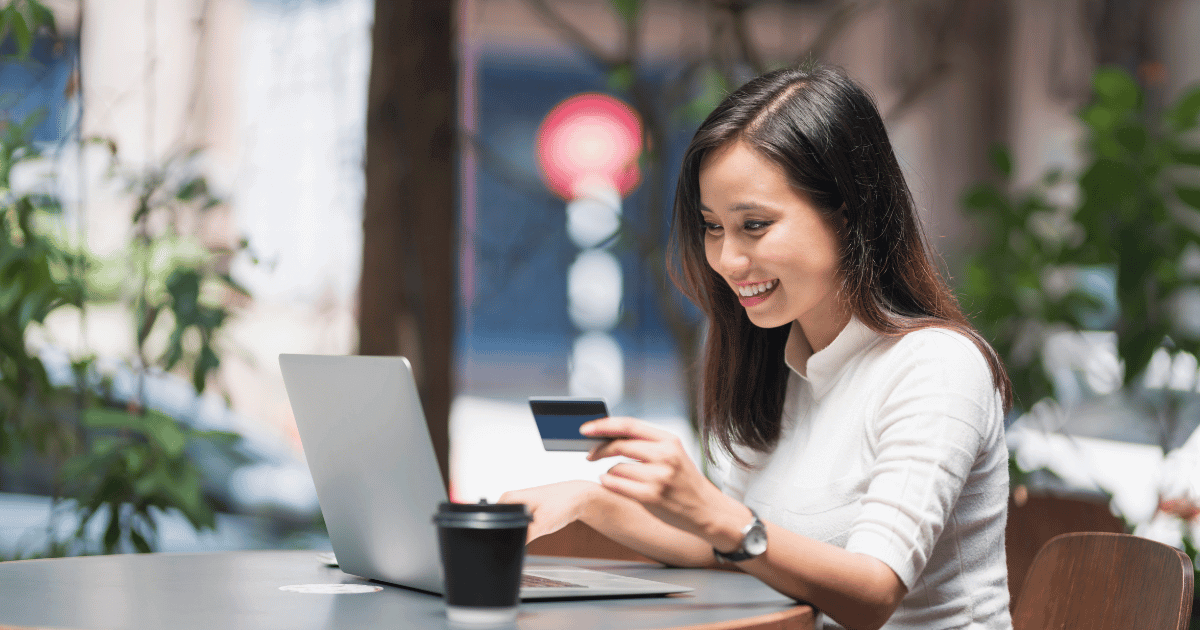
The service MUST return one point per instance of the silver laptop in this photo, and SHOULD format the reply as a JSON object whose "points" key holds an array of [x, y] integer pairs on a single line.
{"points": [[379, 485]]}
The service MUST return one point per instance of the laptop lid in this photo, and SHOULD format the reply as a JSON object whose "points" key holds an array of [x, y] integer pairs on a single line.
{"points": [[378, 483], [372, 462]]}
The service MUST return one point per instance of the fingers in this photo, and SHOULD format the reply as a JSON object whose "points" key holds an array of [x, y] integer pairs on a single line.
{"points": [[642, 473], [648, 484], [626, 486], [634, 439], [622, 427], [519, 496], [538, 529], [641, 450], [643, 484]]}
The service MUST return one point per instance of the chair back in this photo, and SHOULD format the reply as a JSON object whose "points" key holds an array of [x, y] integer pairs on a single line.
{"points": [[1098, 580], [1034, 521]]}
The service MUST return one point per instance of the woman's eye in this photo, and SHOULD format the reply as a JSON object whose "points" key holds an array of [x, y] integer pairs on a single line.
{"points": [[711, 227], [753, 226]]}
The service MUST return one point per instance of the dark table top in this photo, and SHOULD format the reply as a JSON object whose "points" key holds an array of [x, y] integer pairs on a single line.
{"points": [[242, 590]]}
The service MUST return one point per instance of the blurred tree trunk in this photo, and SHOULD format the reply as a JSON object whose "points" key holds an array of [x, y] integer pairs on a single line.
{"points": [[408, 285]]}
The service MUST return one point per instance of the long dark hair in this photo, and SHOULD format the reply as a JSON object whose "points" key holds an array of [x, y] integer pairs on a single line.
{"points": [[826, 134]]}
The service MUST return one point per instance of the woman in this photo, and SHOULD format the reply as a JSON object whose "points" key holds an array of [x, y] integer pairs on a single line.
{"points": [[863, 413]]}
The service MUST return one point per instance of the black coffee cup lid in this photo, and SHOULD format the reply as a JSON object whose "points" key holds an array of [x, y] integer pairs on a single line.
{"points": [[482, 515]]}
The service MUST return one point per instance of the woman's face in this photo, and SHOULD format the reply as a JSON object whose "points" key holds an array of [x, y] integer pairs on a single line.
{"points": [[775, 250]]}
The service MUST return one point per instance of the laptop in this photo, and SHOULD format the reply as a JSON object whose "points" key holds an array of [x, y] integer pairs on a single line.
{"points": [[378, 483]]}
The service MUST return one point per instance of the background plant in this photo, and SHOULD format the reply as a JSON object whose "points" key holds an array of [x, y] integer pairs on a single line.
{"points": [[111, 454], [1110, 248]]}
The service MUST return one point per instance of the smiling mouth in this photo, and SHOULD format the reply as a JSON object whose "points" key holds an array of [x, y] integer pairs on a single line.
{"points": [[757, 290], [755, 294]]}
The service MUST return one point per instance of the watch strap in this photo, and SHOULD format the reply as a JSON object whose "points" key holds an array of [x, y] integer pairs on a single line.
{"points": [[740, 554]]}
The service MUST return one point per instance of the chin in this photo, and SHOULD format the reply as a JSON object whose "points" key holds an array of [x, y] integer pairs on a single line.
{"points": [[767, 320]]}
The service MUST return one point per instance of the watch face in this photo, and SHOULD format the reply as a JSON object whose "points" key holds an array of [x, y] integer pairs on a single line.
{"points": [[755, 542]]}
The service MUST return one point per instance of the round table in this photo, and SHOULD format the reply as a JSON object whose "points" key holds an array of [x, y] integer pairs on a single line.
{"points": [[236, 590]]}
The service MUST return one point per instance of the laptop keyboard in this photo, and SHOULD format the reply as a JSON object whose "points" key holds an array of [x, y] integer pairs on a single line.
{"points": [[534, 581]]}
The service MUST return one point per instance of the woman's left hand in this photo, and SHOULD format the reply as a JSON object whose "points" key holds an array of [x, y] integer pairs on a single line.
{"points": [[662, 477]]}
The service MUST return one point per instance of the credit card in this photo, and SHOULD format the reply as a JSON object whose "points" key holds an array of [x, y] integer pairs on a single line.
{"points": [[558, 420]]}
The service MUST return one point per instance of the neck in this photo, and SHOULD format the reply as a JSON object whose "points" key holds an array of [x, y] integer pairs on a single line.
{"points": [[820, 328]]}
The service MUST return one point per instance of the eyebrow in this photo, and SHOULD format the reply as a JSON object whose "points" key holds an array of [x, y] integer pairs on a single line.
{"points": [[738, 207]]}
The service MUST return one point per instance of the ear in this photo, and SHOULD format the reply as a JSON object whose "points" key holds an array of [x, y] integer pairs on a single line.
{"points": [[841, 218]]}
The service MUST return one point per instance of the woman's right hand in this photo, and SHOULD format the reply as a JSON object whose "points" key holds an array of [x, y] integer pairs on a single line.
{"points": [[553, 506]]}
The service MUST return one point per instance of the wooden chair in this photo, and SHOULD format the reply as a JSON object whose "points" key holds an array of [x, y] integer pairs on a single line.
{"points": [[1098, 581], [1040, 517]]}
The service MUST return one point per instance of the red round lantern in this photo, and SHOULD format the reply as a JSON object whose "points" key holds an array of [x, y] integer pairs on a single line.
{"points": [[590, 140]]}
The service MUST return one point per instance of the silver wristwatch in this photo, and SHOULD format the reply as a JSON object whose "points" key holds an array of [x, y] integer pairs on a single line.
{"points": [[754, 542]]}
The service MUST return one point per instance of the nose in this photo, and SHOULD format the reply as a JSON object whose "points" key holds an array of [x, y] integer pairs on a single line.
{"points": [[732, 260]]}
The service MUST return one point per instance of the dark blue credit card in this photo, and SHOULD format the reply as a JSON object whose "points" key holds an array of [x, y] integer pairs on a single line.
{"points": [[558, 420]]}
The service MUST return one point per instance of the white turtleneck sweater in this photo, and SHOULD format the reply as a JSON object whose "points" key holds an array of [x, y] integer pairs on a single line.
{"points": [[894, 448]]}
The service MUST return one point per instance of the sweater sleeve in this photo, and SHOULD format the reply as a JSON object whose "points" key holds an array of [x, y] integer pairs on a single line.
{"points": [[934, 415]]}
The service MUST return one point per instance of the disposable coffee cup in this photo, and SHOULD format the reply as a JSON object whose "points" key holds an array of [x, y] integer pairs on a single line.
{"points": [[483, 552]]}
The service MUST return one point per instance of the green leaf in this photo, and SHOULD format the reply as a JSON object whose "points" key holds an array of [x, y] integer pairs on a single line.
{"points": [[139, 542], [184, 287], [985, 197], [74, 468], [143, 208], [1116, 88], [234, 284], [165, 432], [219, 438], [1001, 159], [1132, 138], [1137, 348], [192, 188], [150, 483], [104, 446], [134, 458], [11, 295], [627, 9], [1183, 156], [211, 318], [41, 16], [1109, 183], [22, 33], [206, 363], [5, 19], [1190, 196], [112, 534], [110, 419], [620, 78], [1186, 112], [174, 350], [147, 316], [1100, 118], [712, 89]]}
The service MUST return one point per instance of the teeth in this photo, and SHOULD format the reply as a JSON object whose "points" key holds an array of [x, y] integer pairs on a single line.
{"points": [[751, 290]]}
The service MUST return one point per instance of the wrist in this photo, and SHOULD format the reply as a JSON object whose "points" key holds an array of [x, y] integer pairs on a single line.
{"points": [[724, 530], [588, 503]]}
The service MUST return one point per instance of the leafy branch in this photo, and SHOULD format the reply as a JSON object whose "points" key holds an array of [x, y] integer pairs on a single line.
{"points": [[1133, 224], [112, 454]]}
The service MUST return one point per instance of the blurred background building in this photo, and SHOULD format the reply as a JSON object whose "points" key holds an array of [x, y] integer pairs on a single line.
{"points": [[268, 100]]}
